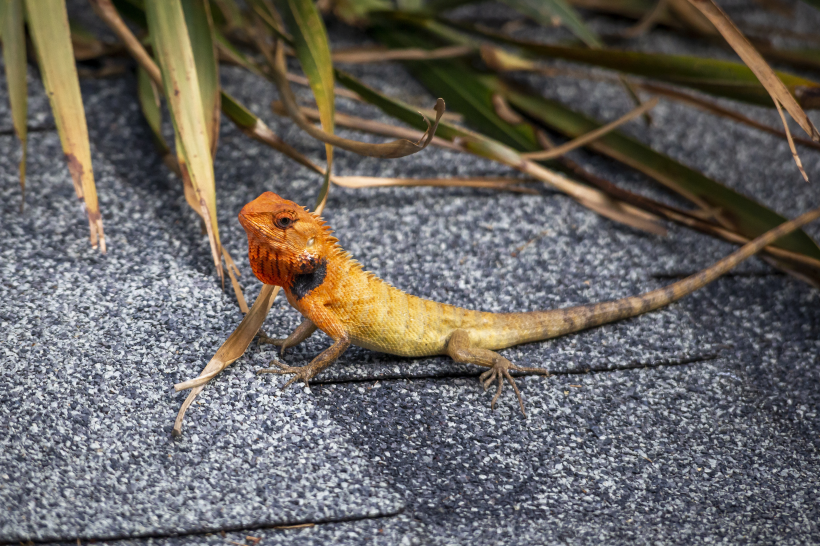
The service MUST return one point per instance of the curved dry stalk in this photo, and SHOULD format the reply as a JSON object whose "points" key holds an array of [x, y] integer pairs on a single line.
{"points": [[389, 150], [493, 183], [366, 125], [362, 55], [592, 135]]}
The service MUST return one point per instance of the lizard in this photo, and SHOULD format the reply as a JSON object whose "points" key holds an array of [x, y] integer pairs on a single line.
{"points": [[290, 247]]}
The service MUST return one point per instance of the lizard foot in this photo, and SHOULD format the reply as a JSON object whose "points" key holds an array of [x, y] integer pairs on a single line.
{"points": [[301, 333], [303, 373], [500, 371], [276, 341]]}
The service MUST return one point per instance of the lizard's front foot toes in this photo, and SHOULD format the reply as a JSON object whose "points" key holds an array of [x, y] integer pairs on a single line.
{"points": [[304, 373], [278, 342]]}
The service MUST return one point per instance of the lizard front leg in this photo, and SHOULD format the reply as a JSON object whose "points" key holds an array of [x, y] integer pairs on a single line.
{"points": [[306, 373], [460, 350], [301, 333]]}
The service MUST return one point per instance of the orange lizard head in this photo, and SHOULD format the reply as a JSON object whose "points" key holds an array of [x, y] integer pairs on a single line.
{"points": [[286, 243]]}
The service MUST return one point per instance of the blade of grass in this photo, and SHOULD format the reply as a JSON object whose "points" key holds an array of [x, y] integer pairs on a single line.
{"points": [[230, 14], [199, 23], [148, 97], [592, 136], [106, 11], [715, 77], [363, 55], [313, 50], [714, 108], [51, 36], [234, 347], [778, 91], [493, 183], [169, 35], [367, 125], [12, 26]]}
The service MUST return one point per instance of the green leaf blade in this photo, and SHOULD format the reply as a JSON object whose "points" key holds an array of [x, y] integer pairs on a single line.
{"points": [[51, 35], [175, 56], [200, 30], [313, 50], [12, 27]]}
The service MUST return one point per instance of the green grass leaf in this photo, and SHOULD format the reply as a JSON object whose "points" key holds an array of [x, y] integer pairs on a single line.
{"points": [[717, 77], [51, 35], [200, 30], [313, 50], [174, 54], [12, 27]]}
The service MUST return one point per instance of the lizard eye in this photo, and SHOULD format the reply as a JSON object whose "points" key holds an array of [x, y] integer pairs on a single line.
{"points": [[284, 222]]}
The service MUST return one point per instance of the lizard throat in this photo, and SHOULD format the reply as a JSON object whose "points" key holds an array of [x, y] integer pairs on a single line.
{"points": [[312, 277]]}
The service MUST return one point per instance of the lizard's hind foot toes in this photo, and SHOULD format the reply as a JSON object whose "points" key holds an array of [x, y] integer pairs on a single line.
{"points": [[498, 373]]}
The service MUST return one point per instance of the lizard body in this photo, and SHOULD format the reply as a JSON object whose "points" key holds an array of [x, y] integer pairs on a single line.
{"points": [[293, 248]]}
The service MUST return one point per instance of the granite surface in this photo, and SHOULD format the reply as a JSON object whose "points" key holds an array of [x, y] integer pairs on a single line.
{"points": [[698, 422]]}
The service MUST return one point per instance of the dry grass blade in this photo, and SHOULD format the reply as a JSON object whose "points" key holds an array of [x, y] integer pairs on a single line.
{"points": [[338, 91], [361, 55], [592, 135], [50, 33], [367, 126], [233, 273], [234, 347], [388, 150], [12, 29], [172, 47], [106, 11], [647, 21], [492, 183], [778, 91]]}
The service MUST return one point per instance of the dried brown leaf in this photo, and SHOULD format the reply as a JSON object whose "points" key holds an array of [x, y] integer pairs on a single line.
{"points": [[776, 88], [592, 135], [494, 183], [234, 347], [361, 55]]}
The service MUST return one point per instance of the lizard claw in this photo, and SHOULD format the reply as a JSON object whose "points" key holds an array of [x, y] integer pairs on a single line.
{"points": [[278, 342], [501, 371], [304, 373]]}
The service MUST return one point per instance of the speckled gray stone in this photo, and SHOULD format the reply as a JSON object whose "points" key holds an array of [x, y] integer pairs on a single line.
{"points": [[697, 423]]}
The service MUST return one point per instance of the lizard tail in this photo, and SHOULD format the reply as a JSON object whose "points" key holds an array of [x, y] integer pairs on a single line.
{"points": [[540, 325]]}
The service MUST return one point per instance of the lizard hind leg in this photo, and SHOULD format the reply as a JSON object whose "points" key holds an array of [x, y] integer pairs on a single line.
{"points": [[460, 349]]}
